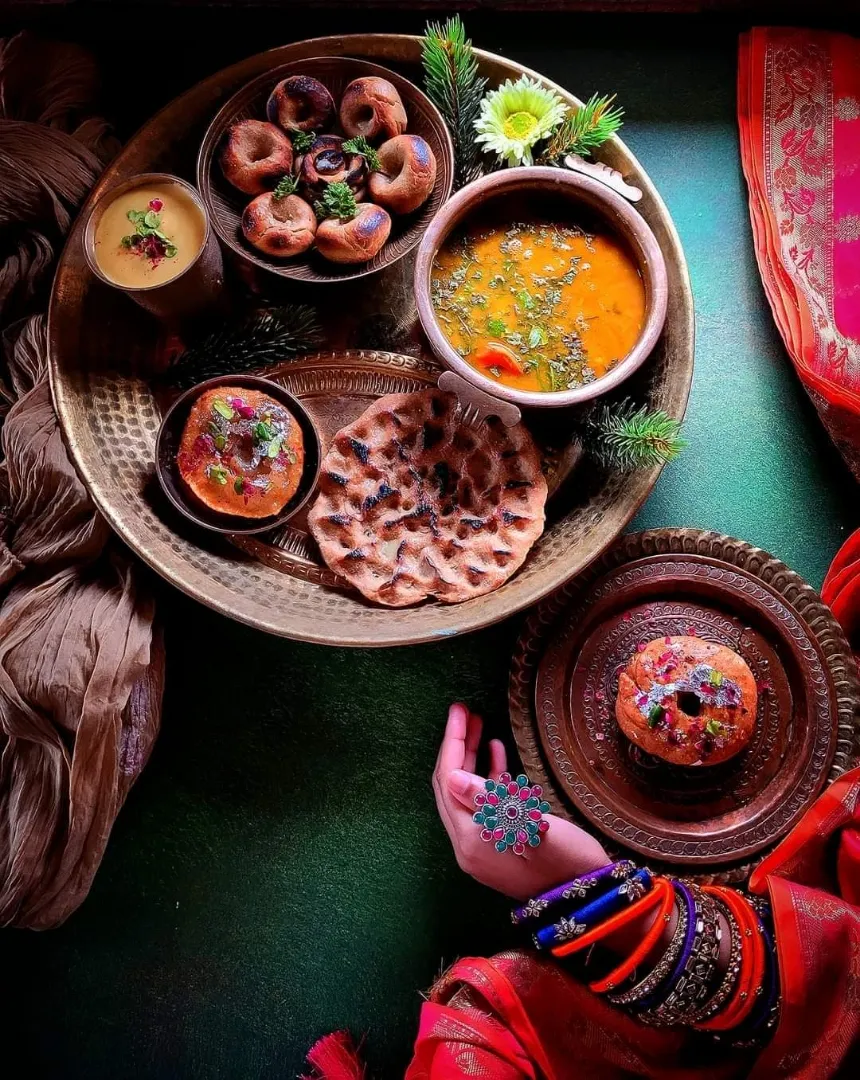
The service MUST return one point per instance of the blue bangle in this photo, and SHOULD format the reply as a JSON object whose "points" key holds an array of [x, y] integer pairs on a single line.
{"points": [[597, 881], [590, 915]]}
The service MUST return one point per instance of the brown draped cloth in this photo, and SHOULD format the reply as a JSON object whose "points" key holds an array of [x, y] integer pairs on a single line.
{"points": [[81, 667]]}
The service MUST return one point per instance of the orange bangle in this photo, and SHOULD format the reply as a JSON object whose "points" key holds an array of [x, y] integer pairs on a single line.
{"points": [[753, 961], [621, 918], [663, 888]]}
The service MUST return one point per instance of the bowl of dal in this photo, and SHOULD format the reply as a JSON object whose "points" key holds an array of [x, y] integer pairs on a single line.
{"points": [[541, 286]]}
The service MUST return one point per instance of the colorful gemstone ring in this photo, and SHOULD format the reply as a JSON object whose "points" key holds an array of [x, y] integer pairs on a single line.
{"points": [[511, 813]]}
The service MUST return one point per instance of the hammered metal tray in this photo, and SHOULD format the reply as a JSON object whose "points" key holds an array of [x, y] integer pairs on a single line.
{"points": [[564, 682], [100, 351]]}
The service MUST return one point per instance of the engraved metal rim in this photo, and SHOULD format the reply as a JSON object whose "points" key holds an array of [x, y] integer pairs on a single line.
{"points": [[373, 628], [593, 799], [806, 603]]}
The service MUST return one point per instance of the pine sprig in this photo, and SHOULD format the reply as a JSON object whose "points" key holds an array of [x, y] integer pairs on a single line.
{"points": [[627, 437], [453, 85], [585, 129], [266, 337], [360, 145]]}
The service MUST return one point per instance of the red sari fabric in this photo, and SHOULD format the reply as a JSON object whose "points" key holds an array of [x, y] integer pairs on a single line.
{"points": [[519, 1017], [799, 120]]}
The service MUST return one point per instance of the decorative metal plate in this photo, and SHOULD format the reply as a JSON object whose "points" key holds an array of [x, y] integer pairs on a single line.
{"points": [[564, 682], [100, 349]]}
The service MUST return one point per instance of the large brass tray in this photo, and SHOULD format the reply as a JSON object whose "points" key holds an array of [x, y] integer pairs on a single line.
{"points": [[100, 346]]}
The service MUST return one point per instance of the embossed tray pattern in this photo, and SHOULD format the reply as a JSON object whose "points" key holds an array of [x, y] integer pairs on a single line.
{"points": [[564, 679]]}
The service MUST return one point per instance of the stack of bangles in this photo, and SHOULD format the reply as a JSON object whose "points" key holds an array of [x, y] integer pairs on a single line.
{"points": [[684, 970]]}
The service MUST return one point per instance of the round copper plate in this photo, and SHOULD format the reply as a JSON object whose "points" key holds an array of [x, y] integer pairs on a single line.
{"points": [[564, 683], [100, 347], [225, 204]]}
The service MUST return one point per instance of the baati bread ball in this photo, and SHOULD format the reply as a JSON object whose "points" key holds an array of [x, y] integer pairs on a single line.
{"points": [[356, 240], [406, 175], [255, 156], [372, 107], [301, 103], [282, 227]]}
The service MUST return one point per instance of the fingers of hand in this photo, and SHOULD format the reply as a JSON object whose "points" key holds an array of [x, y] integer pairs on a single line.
{"points": [[498, 758], [464, 786], [452, 752], [473, 741]]}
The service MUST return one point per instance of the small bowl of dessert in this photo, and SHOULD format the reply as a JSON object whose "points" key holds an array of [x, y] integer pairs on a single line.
{"points": [[541, 286], [325, 169], [150, 237], [237, 455]]}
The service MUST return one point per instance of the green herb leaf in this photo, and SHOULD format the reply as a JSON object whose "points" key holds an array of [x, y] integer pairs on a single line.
{"points": [[303, 140], [218, 474], [126, 241], [524, 298], [263, 432], [286, 186], [274, 447], [337, 201], [171, 251], [238, 485], [496, 327], [360, 145], [152, 220], [291, 455], [655, 715], [220, 442], [537, 337], [714, 727], [715, 678], [223, 409], [136, 217]]}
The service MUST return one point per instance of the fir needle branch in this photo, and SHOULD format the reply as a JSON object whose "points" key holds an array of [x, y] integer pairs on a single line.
{"points": [[585, 129], [453, 85], [625, 437], [269, 336]]}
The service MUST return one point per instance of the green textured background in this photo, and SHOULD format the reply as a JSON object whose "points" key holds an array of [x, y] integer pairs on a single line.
{"points": [[279, 869]]}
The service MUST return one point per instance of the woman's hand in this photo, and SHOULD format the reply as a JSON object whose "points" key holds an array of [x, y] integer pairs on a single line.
{"points": [[565, 850]]}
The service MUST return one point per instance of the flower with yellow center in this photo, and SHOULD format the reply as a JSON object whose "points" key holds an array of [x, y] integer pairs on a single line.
{"points": [[516, 117]]}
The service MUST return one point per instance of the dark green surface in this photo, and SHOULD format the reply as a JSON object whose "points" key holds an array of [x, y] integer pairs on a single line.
{"points": [[279, 869]]}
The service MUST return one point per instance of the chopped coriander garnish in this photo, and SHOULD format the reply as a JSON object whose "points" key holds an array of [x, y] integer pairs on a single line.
{"points": [[537, 337], [337, 201], [303, 140], [360, 145], [285, 186], [496, 327]]}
